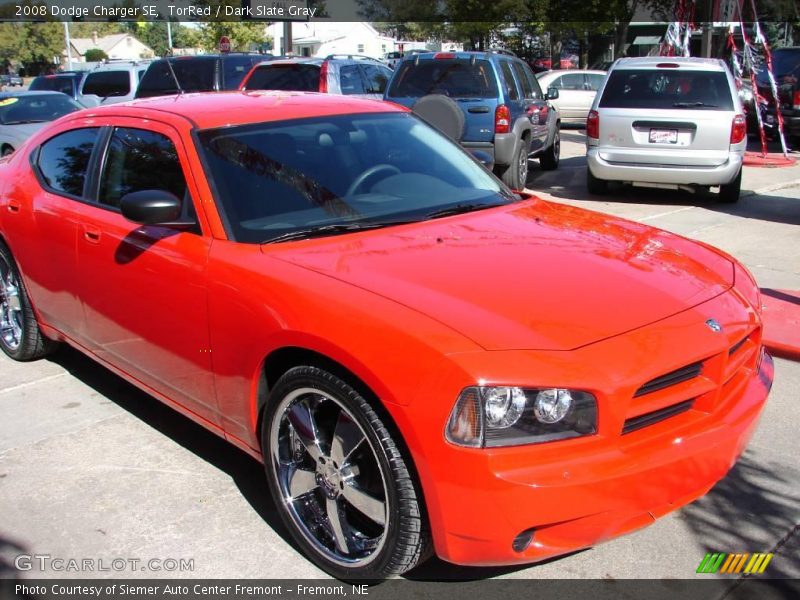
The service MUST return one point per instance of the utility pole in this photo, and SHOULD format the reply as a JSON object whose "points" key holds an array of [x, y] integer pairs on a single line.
{"points": [[287, 37], [69, 46], [169, 37]]}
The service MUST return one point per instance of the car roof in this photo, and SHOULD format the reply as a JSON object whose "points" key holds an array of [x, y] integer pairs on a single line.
{"points": [[652, 62], [291, 60], [223, 109]]}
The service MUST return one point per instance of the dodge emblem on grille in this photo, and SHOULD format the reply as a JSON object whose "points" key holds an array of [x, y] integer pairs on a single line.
{"points": [[714, 325]]}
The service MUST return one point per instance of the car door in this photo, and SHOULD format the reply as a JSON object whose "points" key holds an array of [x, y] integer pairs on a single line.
{"points": [[144, 286], [574, 99], [351, 81], [536, 107], [47, 211]]}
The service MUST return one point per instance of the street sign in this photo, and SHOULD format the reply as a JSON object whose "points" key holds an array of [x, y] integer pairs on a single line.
{"points": [[224, 44]]}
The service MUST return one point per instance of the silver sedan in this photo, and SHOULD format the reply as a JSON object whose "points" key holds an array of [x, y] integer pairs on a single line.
{"points": [[23, 113], [576, 91]]}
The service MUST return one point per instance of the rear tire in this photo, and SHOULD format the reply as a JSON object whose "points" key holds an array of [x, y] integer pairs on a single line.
{"points": [[341, 484], [595, 186], [549, 159], [729, 193], [20, 337], [515, 175]]}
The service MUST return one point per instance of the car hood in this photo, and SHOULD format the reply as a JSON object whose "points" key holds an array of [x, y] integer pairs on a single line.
{"points": [[532, 275]]}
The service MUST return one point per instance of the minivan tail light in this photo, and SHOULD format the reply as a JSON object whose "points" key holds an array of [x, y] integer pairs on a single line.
{"points": [[593, 125], [323, 77], [738, 129], [502, 119], [796, 100]]}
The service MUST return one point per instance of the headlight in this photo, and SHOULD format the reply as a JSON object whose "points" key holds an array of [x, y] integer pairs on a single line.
{"points": [[512, 416], [745, 283]]}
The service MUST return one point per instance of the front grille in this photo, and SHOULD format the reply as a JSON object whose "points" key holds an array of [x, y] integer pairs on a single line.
{"points": [[736, 346], [656, 416], [675, 377]]}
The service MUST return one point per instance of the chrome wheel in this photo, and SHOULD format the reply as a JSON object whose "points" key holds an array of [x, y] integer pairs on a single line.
{"points": [[329, 477], [11, 316], [522, 166]]}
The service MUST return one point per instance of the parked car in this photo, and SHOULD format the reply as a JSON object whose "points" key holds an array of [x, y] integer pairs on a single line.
{"points": [[202, 73], [392, 58], [348, 75], [669, 122], [68, 82], [111, 83], [24, 113], [576, 92], [488, 101], [10, 80], [786, 71], [423, 360]]}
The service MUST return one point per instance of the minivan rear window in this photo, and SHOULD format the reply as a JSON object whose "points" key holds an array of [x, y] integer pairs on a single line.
{"points": [[107, 83], [195, 74], [662, 88], [290, 77], [455, 78]]}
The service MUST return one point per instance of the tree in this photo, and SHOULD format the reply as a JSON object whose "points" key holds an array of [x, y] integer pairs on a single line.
{"points": [[242, 35], [95, 55]]}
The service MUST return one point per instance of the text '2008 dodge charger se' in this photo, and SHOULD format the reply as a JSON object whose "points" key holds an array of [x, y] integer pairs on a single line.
{"points": [[425, 360]]}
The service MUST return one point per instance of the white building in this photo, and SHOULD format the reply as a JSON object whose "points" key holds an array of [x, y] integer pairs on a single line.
{"points": [[120, 46], [321, 38]]}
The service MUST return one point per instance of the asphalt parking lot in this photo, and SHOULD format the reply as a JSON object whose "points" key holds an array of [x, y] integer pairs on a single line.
{"points": [[90, 467]]}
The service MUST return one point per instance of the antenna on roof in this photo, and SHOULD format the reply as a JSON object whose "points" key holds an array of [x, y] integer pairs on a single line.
{"points": [[174, 76]]}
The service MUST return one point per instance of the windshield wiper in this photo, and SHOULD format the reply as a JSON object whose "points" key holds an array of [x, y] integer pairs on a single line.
{"points": [[458, 209], [693, 105], [332, 229]]}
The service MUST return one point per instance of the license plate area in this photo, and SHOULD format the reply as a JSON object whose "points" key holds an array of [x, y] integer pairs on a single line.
{"points": [[663, 136]]}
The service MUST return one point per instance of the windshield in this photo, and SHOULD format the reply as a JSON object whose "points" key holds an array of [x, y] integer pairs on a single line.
{"points": [[290, 77], [667, 88], [35, 108], [52, 83], [369, 170], [455, 78]]}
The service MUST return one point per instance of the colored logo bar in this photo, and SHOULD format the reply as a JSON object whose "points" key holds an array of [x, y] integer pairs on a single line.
{"points": [[720, 562]]}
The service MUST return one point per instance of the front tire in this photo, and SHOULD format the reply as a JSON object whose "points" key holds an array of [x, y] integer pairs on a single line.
{"points": [[729, 193], [550, 157], [20, 337], [515, 175], [340, 481]]}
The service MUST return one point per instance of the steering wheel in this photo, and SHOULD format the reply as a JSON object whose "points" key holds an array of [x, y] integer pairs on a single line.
{"points": [[359, 181]]}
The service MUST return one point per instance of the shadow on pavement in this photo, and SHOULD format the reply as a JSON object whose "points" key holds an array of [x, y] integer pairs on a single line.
{"points": [[436, 569], [748, 511], [247, 473]]}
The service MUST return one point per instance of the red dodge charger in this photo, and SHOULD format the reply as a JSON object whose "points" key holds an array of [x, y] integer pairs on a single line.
{"points": [[424, 360]]}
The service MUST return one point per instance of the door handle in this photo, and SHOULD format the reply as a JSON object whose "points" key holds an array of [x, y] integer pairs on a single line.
{"points": [[14, 206], [92, 235]]}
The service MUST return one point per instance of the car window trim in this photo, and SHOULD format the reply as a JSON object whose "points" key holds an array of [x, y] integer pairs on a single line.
{"points": [[33, 159]]}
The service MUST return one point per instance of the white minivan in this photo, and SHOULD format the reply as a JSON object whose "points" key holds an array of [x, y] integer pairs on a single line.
{"points": [[669, 122]]}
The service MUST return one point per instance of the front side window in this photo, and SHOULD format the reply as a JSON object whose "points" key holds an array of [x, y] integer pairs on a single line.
{"points": [[667, 88], [107, 84], [54, 83], [138, 160], [595, 80], [282, 178], [64, 160]]}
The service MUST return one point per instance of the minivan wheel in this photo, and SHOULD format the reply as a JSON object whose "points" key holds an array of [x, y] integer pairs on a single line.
{"points": [[729, 193], [20, 337], [549, 158], [341, 483], [595, 185]]}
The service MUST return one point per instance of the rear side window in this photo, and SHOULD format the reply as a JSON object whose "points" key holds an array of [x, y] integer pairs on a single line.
{"points": [[456, 78], [662, 88], [290, 77], [138, 160], [350, 80], [570, 81], [64, 160], [234, 68], [508, 79], [594, 81], [107, 83], [65, 85], [377, 78]]}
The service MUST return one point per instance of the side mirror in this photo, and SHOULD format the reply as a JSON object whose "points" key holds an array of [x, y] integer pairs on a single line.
{"points": [[151, 207], [552, 93], [484, 158]]}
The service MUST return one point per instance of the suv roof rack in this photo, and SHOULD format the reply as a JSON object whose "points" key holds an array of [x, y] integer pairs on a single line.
{"points": [[348, 56], [502, 51]]}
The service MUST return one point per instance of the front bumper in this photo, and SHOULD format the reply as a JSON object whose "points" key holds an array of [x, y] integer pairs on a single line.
{"points": [[579, 492], [664, 174]]}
